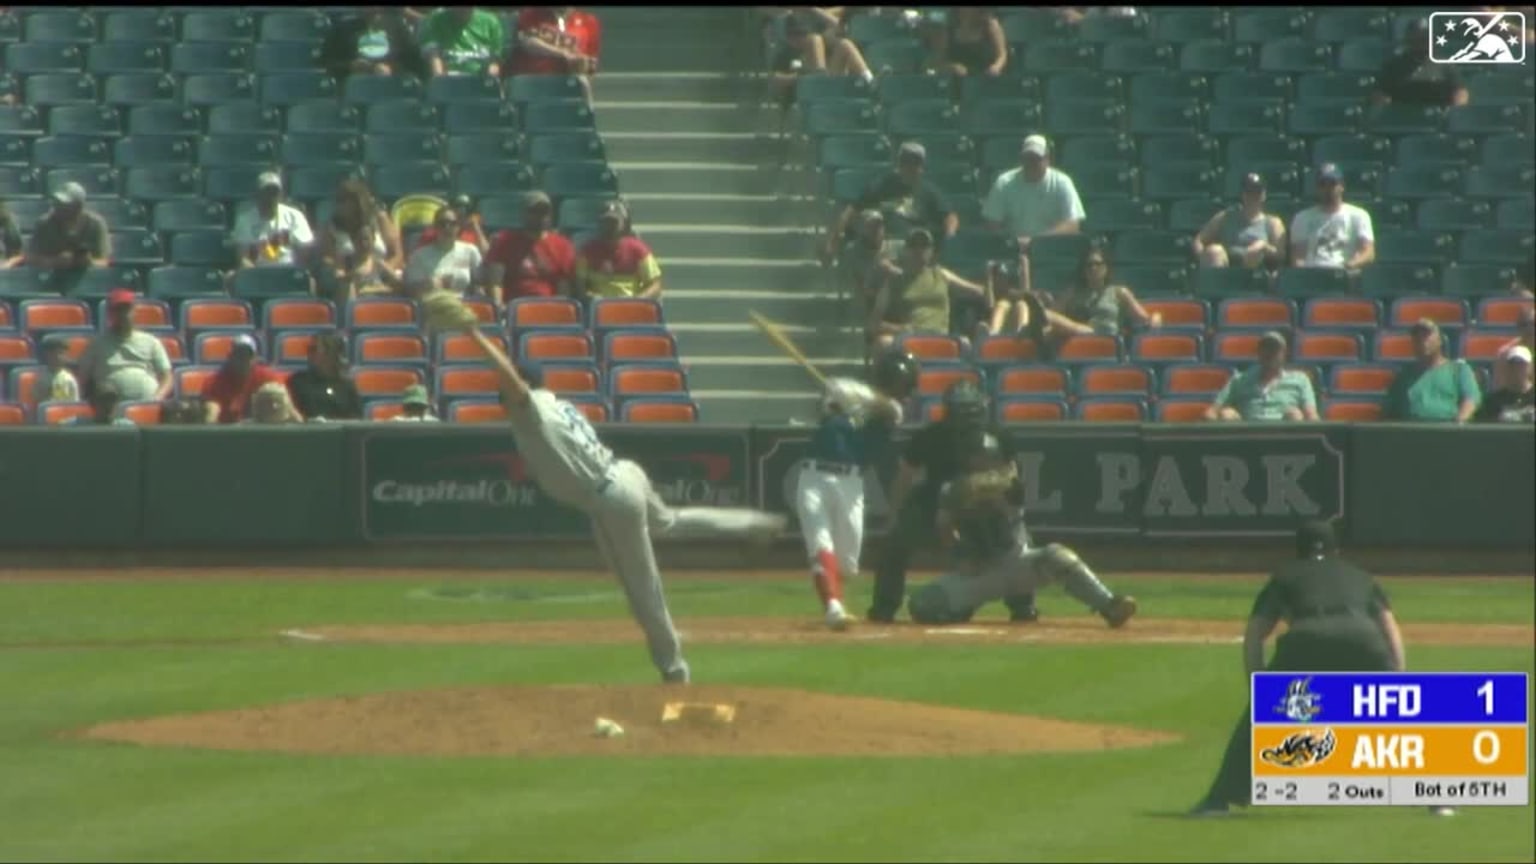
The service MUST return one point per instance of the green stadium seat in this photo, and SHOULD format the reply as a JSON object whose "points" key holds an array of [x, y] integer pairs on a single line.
{"points": [[367, 90], [136, 248], [453, 89], [1345, 24], [1083, 118], [1018, 118], [506, 178], [1092, 149], [174, 283], [1113, 28], [1453, 214], [217, 88], [484, 116], [1385, 212], [1334, 88], [1180, 148], [1246, 118], [849, 184], [1436, 150], [1477, 119], [1021, 24], [1164, 86], [404, 116], [1189, 215], [15, 150], [1220, 283], [1502, 88], [969, 249], [61, 151], [1510, 181], [984, 88], [1058, 250], [197, 249], [221, 151], [138, 88], [97, 181], [1267, 25], [1414, 247], [592, 180], [152, 183], [318, 181], [848, 151], [1365, 55], [1113, 215], [1477, 280], [1509, 149], [138, 25], [293, 88], [1352, 149], [1297, 282], [1398, 279], [900, 56], [121, 212], [1315, 121], [37, 58], [1131, 56], [895, 89], [1164, 118], [1265, 148], [1496, 246], [1400, 119], [294, 26], [1084, 86], [1170, 182], [218, 26], [22, 121], [808, 88], [394, 181], [315, 148], [61, 26], [208, 58], [921, 117], [1213, 57], [1243, 86], [867, 29], [1295, 56], [189, 214], [244, 118], [63, 88], [1105, 181], [1423, 181], [837, 117], [1058, 55], [1153, 280], [273, 57], [551, 149], [1516, 213], [19, 182], [1152, 247], [1191, 25], [953, 180], [232, 183]]}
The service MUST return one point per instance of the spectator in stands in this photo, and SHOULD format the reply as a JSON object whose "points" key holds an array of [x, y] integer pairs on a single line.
{"points": [[471, 227], [1022, 311], [132, 361], [1332, 233], [1527, 340], [448, 264], [227, 395], [70, 239], [417, 407], [12, 251], [55, 383], [1433, 387], [1409, 78], [380, 40], [970, 42], [322, 390], [615, 263], [1243, 234], [906, 200], [913, 294], [182, 412], [269, 232], [1033, 199], [534, 260], [270, 405], [557, 40], [360, 246], [807, 40], [1096, 304], [862, 257], [463, 40], [1268, 391], [1515, 399]]}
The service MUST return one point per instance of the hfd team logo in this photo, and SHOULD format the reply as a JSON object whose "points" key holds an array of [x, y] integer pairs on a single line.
{"points": [[1300, 703], [1477, 37]]}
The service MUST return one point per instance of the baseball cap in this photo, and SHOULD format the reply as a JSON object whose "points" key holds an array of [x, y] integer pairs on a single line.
{"points": [[1035, 145], [536, 199], [1424, 325], [415, 394], [1272, 337], [244, 340], [1328, 172], [913, 150], [1520, 353], [54, 342], [1253, 183], [1316, 537], [69, 193], [121, 297], [920, 237], [612, 210], [269, 180]]}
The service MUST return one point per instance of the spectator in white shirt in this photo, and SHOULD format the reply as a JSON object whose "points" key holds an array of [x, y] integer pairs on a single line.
{"points": [[1033, 199], [268, 232], [448, 263], [1332, 233]]}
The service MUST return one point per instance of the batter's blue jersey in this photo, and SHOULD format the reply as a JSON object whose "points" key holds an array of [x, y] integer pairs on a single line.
{"points": [[841, 441]]}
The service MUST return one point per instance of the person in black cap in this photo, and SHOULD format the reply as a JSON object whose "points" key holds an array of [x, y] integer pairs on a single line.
{"points": [[1333, 233], [1244, 234], [905, 199], [1339, 620]]}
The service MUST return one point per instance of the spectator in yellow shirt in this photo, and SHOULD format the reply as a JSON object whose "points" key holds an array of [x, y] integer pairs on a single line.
{"points": [[616, 263]]}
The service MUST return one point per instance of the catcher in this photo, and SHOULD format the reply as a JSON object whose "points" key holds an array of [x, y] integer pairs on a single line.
{"points": [[981, 515]]}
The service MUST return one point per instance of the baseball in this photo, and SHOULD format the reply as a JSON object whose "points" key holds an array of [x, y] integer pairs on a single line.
{"points": [[605, 728]]}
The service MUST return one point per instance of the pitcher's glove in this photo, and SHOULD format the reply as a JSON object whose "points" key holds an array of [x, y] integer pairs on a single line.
{"points": [[445, 312]]}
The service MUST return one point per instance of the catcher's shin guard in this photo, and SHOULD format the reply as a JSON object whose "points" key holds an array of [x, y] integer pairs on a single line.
{"points": [[1076, 577]]}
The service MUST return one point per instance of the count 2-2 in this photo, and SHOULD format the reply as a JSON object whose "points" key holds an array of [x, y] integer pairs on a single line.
{"points": [[1387, 700]]}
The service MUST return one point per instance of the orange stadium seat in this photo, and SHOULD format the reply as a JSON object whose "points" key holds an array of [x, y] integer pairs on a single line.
{"points": [[1166, 347], [543, 312], [1482, 347], [16, 349], [22, 381], [1352, 411], [1361, 380], [175, 348], [1032, 379], [384, 380], [1185, 410], [1444, 311], [927, 347], [1114, 380], [147, 313], [1179, 313], [995, 350], [49, 314], [484, 309], [214, 314], [1356, 312], [190, 379], [141, 413], [282, 313], [638, 345], [1255, 312], [292, 347], [383, 410], [1196, 380], [645, 378], [12, 414], [574, 378], [456, 381], [625, 312], [476, 411], [1491, 312], [1089, 349], [1236, 347], [390, 348], [658, 411], [212, 348], [381, 312], [1393, 345], [459, 348], [54, 413], [595, 410], [1327, 347], [75, 345], [540, 347], [933, 382], [1031, 410], [1111, 410]]}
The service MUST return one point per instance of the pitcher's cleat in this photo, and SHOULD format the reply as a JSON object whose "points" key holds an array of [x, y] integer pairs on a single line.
{"points": [[838, 619], [1120, 610]]}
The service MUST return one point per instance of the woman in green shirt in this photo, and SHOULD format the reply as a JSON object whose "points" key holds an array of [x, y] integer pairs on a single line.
{"points": [[913, 293]]}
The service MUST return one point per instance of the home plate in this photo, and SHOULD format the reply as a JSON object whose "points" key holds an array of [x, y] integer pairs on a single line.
{"points": [[303, 636]]}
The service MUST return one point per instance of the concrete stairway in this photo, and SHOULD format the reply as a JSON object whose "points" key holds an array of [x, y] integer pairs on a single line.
{"points": [[698, 161]]}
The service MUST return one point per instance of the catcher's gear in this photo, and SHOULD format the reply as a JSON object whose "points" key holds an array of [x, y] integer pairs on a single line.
{"points": [[985, 509], [965, 406], [895, 374]]}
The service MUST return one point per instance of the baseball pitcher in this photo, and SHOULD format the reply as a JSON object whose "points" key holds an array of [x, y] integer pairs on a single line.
{"points": [[981, 514], [571, 465], [856, 425]]}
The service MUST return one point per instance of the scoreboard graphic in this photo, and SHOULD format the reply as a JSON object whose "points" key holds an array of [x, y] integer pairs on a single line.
{"points": [[1390, 739]]}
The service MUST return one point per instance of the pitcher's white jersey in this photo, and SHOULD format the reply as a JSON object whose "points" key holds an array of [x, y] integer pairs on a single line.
{"points": [[560, 448]]}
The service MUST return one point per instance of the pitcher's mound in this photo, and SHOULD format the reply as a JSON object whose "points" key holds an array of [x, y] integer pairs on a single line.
{"points": [[542, 721]]}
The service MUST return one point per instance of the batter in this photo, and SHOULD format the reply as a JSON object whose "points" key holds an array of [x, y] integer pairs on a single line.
{"points": [[572, 465], [855, 429]]}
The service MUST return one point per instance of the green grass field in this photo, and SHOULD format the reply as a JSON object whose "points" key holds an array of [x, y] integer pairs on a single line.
{"points": [[66, 800]]}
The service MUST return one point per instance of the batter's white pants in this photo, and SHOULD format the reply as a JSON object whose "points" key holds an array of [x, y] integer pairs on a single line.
{"points": [[831, 512]]}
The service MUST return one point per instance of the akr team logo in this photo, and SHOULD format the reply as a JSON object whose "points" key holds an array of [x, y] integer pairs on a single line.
{"points": [[1477, 37], [1300, 703], [1302, 749]]}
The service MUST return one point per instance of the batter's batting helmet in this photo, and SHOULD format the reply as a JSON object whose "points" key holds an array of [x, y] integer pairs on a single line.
{"points": [[895, 374]]}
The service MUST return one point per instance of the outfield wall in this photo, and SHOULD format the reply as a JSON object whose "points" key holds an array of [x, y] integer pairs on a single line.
{"points": [[1432, 488]]}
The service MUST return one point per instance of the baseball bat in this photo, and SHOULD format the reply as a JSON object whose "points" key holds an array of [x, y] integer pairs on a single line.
{"points": [[777, 336]]}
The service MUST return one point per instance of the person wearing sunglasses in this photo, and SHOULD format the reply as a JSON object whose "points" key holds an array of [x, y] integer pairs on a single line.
{"points": [[447, 263]]}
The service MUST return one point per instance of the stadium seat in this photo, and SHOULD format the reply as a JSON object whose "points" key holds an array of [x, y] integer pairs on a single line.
{"points": [[138, 88], [1215, 56], [1122, 214], [893, 89], [459, 348], [573, 378], [1241, 347], [217, 88], [1483, 346], [394, 181], [293, 26], [1508, 181], [1083, 118], [1132, 56], [1180, 410], [1322, 347], [1084, 85], [638, 346], [382, 410], [932, 347], [571, 147], [652, 410], [1445, 311], [1001, 117], [1391, 346], [320, 148], [507, 178], [1453, 214], [1509, 149], [1106, 181], [1351, 410], [1334, 88], [483, 117], [1189, 215], [1027, 409], [1342, 313], [1413, 247], [175, 347], [632, 379], [199, 314], [403, 117], [290, 313], [1044, 56], [1393, 279], [130, 26], [455, 89], [17, 350], [389, 348], [1180, 149], [151, 151], [190, 380], [1245, 118], [170, 283], [1152, 247], [1180, 314], [545, 118], [1497, 246], [1114, 380], [1502, 311], [1260, 312], [1030, 379], [291, 347], [1171, 182], [1423, 181], [1152, 280], [1157, 349], [936, 378], [1295, 55], [71, 151], [52, 314], [1006, 351], [17, 182], [59, 413], [555, 346], [1194, 379], [476, 411], [181, 121], [1488, 119], [390, 380], [1311, 282], [1361, 379], [212, 348], [475, 149], [385, 148], [591, 180], [1310, 120], [39, 58], [544, 312], [1089, 349], [1110, 410], [377, 313], [269, 58]]}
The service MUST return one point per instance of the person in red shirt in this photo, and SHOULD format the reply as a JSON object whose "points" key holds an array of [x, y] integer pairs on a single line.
{"points": [[557, 40], [534, 260], [616, 263], [227, 395]]}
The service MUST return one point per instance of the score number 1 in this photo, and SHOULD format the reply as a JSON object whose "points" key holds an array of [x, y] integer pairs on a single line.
{"points": [[1486, 691]]}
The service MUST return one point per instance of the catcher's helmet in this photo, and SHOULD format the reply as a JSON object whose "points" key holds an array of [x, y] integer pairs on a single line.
{"points": [[965, 404], [895, 374]]}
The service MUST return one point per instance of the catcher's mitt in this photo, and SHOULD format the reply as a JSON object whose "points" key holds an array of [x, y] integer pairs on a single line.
{"points": [[981, 491], [445, 311]]}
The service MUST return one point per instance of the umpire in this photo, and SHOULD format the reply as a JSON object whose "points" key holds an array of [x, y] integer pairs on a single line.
{"points": [[1340, 621], [938, 453]]}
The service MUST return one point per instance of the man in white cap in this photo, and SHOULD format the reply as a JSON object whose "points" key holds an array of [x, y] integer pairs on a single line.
{"points": [[1035, 198], [268, 232], [1515, 402], [70, 239]]}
